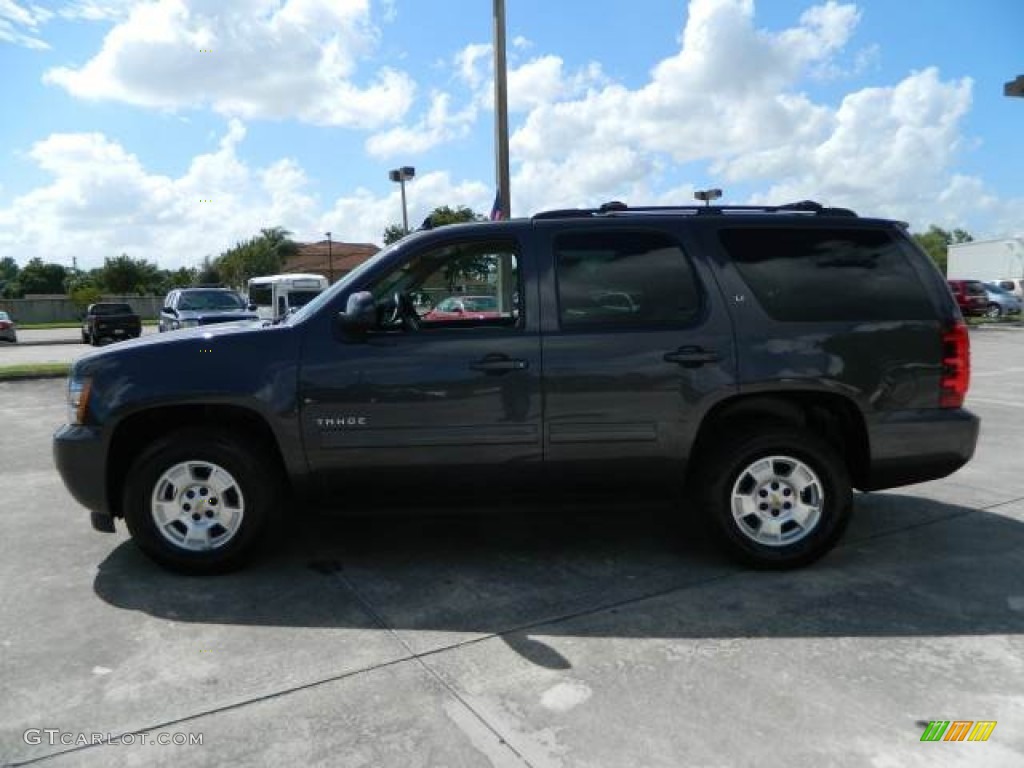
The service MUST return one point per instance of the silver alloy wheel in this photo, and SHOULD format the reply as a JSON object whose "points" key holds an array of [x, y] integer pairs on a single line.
{"points": [[197, 506], [777, 501]]}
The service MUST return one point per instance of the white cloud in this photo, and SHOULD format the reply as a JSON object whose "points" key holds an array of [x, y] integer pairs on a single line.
{"points": [[246, 58], [439, 125], [363, 216], [472, 64], [19, 24], [97, 10], [730, 106], [102, 201]]}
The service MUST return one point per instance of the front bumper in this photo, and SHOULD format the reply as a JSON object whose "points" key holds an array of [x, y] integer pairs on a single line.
{"points": [[80, 457], [915, 446]]}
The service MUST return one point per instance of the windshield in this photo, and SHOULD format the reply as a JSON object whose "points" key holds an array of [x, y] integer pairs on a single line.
{"points": [[211, 300]]}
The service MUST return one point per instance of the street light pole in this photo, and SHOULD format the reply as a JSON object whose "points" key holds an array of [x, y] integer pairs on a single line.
{"points": [[402, 175], [501, 111], [330, 260]]}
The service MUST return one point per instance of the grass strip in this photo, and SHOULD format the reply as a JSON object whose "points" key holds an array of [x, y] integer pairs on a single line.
{"points": [[34, 371]]}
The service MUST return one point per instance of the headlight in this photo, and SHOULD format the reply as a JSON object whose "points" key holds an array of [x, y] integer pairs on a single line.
{"points": [[78, 399], [189, 323]]}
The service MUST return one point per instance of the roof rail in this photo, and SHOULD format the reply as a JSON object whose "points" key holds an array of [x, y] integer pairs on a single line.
{"points": [[616, 208]]}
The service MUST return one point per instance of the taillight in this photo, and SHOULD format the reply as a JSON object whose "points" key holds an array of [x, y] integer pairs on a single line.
{"points": [[956, 366]]}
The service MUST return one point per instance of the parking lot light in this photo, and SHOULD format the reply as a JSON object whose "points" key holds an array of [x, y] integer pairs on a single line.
{"points": [[402, 175]]}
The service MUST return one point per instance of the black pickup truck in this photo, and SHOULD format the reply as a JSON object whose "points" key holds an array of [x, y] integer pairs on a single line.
{"points": [[757, 364], [109, 320]]}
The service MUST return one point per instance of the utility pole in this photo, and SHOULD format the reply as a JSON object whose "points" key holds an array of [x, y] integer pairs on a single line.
{"points": [[330, 260], [501, 111]]}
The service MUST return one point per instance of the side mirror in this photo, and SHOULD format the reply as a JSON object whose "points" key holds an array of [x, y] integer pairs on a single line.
{"points": [[360, 314], [251, 307]]}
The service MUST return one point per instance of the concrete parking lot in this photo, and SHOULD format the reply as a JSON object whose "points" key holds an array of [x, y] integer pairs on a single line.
{"points": [[51, 345], [546, 638]]}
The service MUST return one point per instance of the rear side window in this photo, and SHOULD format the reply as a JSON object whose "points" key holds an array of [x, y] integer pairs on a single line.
{"points": [[624, 279], [822, 275]]}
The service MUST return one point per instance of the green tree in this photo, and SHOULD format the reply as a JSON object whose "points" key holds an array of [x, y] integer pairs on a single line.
{"points": [[438, 217], [37, 277], [83, 294], [936, 242], [124, 275], [177, 278], [264, 254], [208, 274], [9, 277], [8, 269], [393, 234]]}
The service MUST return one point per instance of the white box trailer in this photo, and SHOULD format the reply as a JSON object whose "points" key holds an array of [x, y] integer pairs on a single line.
{"points": [[276, 295], [988, 260]]}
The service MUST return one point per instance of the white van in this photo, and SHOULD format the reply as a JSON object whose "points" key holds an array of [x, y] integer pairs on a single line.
{"points": [[1014, 285], [275, 295]]}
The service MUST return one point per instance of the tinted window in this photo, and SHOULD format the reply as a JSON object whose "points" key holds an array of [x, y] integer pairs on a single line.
{"points": [[624, 279], [261, 295], [111, 309], [820, 275], [483, 275], [210, 300]]}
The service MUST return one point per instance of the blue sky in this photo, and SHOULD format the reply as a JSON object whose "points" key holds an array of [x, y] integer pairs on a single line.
{"points": [[170, 129]]}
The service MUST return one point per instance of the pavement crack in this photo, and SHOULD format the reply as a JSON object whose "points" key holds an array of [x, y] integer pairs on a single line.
{"points": [[418, 658]]}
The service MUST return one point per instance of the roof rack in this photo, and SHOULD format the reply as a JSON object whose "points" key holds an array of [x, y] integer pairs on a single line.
{"points": [[616, 208]]}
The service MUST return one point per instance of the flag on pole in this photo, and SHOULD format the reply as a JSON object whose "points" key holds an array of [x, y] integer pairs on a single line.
{"points": [[496, 213]]}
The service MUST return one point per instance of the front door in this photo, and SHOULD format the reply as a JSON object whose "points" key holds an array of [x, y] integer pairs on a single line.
{"points": [[429, 404]]}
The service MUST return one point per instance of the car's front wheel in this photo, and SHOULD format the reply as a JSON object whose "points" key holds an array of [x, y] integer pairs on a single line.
{"points": [[994, 311], [199, 502], [775, 497]]}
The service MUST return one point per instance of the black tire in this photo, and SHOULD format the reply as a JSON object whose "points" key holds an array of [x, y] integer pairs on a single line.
{"points": [[994, 311], [85, 337], [728, 466], [257, 489], [94, 340]]}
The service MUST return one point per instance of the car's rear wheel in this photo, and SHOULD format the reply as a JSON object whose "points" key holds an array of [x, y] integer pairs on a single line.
{"points": [[993, 311], [774, 497], [199, 502], [85, 337]]}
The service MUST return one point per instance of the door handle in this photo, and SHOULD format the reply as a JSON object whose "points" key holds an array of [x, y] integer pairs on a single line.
{"points": [[498, 364], [691, 357]]}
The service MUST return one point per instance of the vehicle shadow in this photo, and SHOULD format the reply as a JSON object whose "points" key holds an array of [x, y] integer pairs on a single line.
{"points": [[908, 566]]}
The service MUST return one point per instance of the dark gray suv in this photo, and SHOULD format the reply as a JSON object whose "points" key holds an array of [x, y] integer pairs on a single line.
{"points": [[192, 307], [757, 364]]}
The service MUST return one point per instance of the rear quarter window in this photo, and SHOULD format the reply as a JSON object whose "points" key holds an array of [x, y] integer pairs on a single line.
{"points": [[823, 275]]}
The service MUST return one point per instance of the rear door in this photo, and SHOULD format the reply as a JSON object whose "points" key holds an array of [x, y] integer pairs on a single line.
{"points": [[637, 346]]}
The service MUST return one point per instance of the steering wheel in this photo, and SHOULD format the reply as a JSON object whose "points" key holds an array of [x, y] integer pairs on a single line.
{"points": [[404, 312]]}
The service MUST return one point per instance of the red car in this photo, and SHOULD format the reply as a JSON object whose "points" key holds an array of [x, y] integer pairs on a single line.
{"points": [[464, 308], [970, 295]]}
